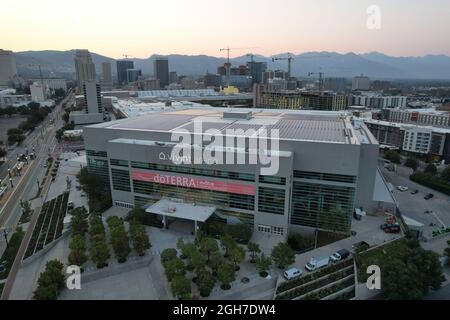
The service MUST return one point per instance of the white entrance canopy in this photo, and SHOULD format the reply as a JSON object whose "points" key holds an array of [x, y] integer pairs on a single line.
{"points": [[176, 208]]}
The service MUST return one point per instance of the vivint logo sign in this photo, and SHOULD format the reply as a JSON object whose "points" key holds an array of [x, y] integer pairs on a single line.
{"points": [[228, 148]]}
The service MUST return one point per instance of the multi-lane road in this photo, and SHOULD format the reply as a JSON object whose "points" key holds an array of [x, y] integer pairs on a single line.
{"points": [[42, 140]]}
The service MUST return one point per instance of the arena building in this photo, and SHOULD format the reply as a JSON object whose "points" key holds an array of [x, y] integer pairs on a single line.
{"points": [[326, 168]]}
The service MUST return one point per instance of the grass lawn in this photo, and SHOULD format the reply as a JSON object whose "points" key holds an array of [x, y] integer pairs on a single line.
{"points": [[378, 257]]}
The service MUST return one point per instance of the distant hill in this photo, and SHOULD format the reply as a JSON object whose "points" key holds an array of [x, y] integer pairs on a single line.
{"points": [[373, 64]]}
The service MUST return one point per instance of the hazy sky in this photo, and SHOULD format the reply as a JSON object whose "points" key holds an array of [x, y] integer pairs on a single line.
{"points": [[140, 28]]}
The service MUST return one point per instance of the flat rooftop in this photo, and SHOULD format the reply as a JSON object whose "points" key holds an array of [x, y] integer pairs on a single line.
{"points": [[319, 126]]}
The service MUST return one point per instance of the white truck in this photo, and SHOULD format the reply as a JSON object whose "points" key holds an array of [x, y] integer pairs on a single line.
{"points": [[315, 264]]}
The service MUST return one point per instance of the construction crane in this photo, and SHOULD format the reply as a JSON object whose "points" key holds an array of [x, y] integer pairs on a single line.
{"points": [[289, 59], [251, 55], [320, 74], [228, 65], [127, 56]]}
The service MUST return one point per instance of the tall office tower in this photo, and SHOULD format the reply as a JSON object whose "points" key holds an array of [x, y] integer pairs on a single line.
{"points": [[360, 83], [8, 68], [92, 97], [173, 77], [256, 71], [122, 67], [84, 67], [133, 75], [106, 72], [161, 70]]}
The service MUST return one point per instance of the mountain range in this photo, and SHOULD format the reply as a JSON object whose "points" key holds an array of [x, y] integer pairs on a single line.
{"points": [[374, 64]]}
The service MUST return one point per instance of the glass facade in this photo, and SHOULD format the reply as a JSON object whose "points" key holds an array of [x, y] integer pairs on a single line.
{"points": [[320, 204], [194, 171], [272, 180], [120, 179], [99, 167], [271, 200], [93, 153], [117, 162], [225, 199]]}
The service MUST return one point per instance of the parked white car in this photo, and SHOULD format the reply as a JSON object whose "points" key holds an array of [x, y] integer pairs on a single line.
{"points": [[292, 273], [402, 188]]}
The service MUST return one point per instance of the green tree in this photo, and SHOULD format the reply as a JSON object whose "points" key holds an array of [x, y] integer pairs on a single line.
{"points": [[197, 260], [283, 255], [2, 152], [227, 242], [254, 249], [99, 253], [185, 248], [445, 175], [392, 156], [77, 255], [215, 261], [168, 255], [96, 225], [79, 224], [181, 287], [50, 281], [226, 275], [139, 238], [174, 267], [205, 282], [236, 255], [411, 163], [120, 244], [430, 169], [263, 264], [207, 246]]}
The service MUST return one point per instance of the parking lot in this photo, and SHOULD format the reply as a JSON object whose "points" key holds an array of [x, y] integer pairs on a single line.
{"points": [[414, 205]]}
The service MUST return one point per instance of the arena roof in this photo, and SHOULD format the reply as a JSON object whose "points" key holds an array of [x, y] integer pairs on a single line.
{"points": [[317, 126]]}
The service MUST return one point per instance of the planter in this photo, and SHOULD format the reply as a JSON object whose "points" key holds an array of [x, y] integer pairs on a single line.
{"points": [[225, 286], [263, 274]]}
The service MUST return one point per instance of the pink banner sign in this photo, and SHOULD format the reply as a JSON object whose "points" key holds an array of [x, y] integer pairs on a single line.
{"points": [[195, 183]]}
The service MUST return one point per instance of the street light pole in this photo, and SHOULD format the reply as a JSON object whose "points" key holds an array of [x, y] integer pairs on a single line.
{"points": [[5, 234]]}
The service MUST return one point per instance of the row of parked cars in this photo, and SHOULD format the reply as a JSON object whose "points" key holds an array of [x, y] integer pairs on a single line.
{"points": [[317, 263]]}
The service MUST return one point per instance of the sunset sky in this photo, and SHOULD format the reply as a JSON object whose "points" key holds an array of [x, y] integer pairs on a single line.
{"points": [[141, 28]]}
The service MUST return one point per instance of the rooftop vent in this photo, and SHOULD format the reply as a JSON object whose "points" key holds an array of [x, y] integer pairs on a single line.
{"points": [[238, 115]]}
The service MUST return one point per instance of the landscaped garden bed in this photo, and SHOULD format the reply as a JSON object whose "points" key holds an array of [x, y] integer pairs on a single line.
{"points": [[317, 283], [49, 224], [312, 276]]}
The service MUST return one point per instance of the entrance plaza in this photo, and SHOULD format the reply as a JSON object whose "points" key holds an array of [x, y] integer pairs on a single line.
{"points": [[176, 208]]}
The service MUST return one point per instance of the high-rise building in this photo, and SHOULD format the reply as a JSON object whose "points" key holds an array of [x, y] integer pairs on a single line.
{"points": [[360, 83], [8, 68], [92, 97], [37, 91], [173, 77], [106, 72], [122, 67], [256, 71], [133, 75], [84, 67], [161, 70]]}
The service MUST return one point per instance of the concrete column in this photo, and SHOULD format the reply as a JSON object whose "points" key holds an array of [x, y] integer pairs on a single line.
{"points": [[195, 227], [165, 222]]}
